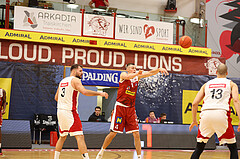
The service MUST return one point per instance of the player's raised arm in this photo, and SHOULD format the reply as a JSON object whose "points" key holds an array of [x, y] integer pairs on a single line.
{"points": [[127, 76], [196, 101], [163, 71], [77, 84], [236, 101]]}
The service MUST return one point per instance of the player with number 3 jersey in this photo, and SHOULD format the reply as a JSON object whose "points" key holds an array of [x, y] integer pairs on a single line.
{"points": [[67, 104], [215, 112]]}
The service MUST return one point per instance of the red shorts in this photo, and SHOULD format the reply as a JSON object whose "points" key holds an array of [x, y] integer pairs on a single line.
{"points": [[69, 123], [124, 117]]}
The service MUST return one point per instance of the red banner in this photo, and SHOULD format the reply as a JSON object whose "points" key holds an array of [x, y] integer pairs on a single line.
{"points": [[41, 53]]}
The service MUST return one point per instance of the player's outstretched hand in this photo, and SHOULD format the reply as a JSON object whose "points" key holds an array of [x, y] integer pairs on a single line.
{"points": [[104, 94], [163, 71], [238, 129], [192, 125]]}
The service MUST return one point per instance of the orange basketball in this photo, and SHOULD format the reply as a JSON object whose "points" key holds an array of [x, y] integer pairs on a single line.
{"points": [[185, 41]]}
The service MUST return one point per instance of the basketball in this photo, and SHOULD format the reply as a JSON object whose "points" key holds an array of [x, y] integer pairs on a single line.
{"points": [[185, 41]]}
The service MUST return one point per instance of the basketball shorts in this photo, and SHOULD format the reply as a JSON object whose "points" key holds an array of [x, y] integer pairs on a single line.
{"points": [[124, 117], [216, 121], [69, 123]]}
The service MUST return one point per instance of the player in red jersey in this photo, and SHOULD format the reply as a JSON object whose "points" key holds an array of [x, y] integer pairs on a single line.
{"points": [[124, 115], [3, 104]]}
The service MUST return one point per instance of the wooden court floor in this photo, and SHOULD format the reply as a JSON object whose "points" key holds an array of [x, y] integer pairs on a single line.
{"points": [[112, 154]]}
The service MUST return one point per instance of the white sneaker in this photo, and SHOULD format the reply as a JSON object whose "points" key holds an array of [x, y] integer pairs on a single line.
{"points": [[99, 156]]}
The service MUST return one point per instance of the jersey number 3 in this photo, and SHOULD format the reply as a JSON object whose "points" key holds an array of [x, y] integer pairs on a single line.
{"points": [[217, 94], [63, 92]]}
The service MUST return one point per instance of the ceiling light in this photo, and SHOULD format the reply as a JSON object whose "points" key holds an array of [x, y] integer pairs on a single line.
{"points": [[72, 6]]}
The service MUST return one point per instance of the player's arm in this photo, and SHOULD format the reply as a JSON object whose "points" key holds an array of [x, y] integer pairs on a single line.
{"points": [[4, 104], [199, 97], [236, 101], [91, 4], [106, 3], [56, 95], [153, 72], [77, 84], [128, 76]]}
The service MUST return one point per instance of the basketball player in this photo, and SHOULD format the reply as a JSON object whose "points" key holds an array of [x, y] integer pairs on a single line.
{"points": [[215, 115], [3, 104], [124, 115], [67, 104]]}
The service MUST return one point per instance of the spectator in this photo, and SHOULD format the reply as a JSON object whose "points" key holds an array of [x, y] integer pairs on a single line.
{"points": [[96, 115], [163, 117], [151, 118], [98, 3]]}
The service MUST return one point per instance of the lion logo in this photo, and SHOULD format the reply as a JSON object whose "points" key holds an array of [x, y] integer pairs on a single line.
{"points": [[99, 25], [212, 65]]}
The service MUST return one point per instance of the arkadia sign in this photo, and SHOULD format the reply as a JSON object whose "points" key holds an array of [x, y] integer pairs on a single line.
{"points": [[52, 54], [44, 20]]}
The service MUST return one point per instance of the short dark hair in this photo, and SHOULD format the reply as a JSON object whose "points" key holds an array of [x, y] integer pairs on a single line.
{"points": [[163, 114], [151, 111], [75, 66], [129, 64], [97, 107]]}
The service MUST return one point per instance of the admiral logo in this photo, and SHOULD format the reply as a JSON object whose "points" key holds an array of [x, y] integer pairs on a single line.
{"points": [[64, 84], [217, 85], [130, 93], [99, 25], [30, 20], [119, 120]]}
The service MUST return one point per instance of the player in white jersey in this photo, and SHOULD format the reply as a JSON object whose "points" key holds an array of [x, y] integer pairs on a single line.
{"points": [[215, 112], [67, 104]]}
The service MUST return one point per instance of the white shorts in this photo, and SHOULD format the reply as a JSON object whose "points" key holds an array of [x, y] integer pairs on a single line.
{"points": [[216, 121], [69, 123]]}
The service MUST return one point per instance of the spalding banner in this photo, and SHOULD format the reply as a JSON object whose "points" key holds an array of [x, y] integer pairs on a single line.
{"points": [[39, 53], [97, 77]]}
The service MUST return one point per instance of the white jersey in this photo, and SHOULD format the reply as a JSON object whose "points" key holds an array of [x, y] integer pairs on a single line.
{"points": [[67, 95], [217, 94]]}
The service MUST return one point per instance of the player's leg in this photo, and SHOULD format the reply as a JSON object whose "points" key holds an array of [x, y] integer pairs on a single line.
{"points": [[59, 146], [205, 131], [225, 133], [131, 126], [106, 142], [65, 121], [137, 142], [233, 150], [82, 146], [198, 150], [77, 131], [117, 126]]}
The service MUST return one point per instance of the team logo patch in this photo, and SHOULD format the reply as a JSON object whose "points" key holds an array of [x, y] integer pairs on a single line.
{"points": [[119, 120], [64, 84]]}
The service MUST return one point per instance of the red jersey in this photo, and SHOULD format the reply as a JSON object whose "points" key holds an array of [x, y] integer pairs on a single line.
{"points": [[127, 92], [99, 3]]}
